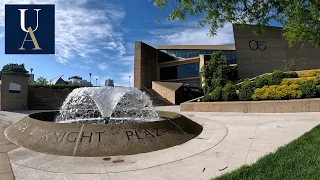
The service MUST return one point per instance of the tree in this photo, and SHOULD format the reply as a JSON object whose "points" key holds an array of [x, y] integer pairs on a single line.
{"points": [[13, 68], [214, 72], [42, 81], [300, 18]]}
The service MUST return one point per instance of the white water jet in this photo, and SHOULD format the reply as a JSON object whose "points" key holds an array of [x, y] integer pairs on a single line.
{"points": [[113, 103]]}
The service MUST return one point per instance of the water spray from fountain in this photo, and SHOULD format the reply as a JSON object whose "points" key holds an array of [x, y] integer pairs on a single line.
{"points": [[115, 105]]}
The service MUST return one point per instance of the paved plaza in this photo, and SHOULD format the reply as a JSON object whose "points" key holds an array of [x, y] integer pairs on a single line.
{"points": [[228, 141]]}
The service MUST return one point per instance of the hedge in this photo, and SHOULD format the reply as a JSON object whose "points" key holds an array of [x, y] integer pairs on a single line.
{"points": [[277, 92], [57, 86], [309, 73], [288, 81]]}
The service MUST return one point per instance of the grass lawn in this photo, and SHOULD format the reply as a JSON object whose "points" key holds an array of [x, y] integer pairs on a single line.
{"points": [[300, 159]]}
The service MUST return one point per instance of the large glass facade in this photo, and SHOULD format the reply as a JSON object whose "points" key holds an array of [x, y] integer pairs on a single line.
{"points": [[185, 53], [180, 71]]}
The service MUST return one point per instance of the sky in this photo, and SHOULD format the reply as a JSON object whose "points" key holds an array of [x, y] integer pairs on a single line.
{"points": [[97, 36]]}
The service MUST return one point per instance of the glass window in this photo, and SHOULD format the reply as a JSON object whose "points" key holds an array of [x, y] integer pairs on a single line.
{"points": [[188, 70]]}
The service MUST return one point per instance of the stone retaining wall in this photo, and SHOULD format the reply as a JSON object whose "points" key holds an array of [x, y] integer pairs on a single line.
{"points": [[281, 106], [46, 99]]}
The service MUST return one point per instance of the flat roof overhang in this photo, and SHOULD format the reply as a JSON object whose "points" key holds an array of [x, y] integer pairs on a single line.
{"points": [[196, 47]]}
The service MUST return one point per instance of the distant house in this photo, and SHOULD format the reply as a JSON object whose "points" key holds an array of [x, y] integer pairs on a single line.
{"points": [[109, 82], [57, 80], [78, 80]]}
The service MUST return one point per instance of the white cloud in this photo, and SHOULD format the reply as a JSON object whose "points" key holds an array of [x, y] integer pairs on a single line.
{"points": [[102, 66], [193, 35], [79, 29], [1, 35]]}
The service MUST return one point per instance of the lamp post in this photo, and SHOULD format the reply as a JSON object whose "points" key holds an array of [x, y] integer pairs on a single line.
{"points": [[129, 80], [90, 78], [96, 81], [31, 71]]}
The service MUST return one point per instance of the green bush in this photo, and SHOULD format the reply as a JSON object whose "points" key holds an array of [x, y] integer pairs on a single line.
{"points": [[229, 93], [299, 81], [56, 86], [318, 91], [276, 92], [275, 78], [246, 90], [261, 81], [290, 74], [206, 98], [216, 94], [308, 89]]}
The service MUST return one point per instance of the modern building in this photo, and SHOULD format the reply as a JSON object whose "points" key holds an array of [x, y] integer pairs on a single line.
{"points": [[109, 82], [57, 80], [78, 81], [253, 54]]}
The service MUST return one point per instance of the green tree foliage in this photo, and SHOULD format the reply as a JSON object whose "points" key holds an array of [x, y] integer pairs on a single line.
{"points": [[214, 72], [14, 69], [300, 18], [42, 81]]}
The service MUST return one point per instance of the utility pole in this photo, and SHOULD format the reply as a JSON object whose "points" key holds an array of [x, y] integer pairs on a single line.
{"points": [[129, 80], [96, 81]]}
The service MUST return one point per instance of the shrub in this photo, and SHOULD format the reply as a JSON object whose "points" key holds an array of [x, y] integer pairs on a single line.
{"points": [[308, 89], [56, 86], [290, 74], [216, 94], [275, 78], [206, 98], [229, 92], [288, 81], [276, 92], [309, 73], [246, 90], [318, 91], [261, 81]]}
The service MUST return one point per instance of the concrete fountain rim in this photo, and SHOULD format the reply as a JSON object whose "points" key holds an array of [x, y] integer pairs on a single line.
{"points": [[90, 140]]}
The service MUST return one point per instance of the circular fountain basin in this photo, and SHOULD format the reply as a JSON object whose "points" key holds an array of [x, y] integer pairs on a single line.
{"points": [[40, 133]]}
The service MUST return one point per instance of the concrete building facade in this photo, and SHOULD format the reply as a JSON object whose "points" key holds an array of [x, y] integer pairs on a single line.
{"points": [[253, 54]]}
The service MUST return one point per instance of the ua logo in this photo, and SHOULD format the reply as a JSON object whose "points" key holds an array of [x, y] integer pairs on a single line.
{"points": [[29, 29]]}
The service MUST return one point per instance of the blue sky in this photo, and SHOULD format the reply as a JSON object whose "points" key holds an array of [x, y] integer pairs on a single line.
{"points": [[98, 36]]}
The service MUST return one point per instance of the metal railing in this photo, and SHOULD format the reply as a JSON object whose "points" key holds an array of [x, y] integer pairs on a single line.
{"points": [[148, 91], [252, 79]]}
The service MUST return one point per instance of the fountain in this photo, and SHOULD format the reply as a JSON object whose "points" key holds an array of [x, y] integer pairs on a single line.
{"points": [[103, 121], [108, 105]]}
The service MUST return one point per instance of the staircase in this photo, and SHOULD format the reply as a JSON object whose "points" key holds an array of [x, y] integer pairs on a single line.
{"points": [[156, 99]]}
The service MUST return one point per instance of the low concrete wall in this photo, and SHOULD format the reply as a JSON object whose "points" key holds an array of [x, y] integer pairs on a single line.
{"points": [[282, 106], [167, 90], [47, 99], [14, 92]]}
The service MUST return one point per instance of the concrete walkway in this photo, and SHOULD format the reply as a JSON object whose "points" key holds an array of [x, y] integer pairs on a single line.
{"points": [[228, 141]]}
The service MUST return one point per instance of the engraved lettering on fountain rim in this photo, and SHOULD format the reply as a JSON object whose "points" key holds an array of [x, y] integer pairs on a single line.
{"points": [[145, 133], [71, 136]]}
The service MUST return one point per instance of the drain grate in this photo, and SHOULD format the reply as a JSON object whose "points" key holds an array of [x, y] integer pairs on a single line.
{"points": [[106, 159], [118, 161]]}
